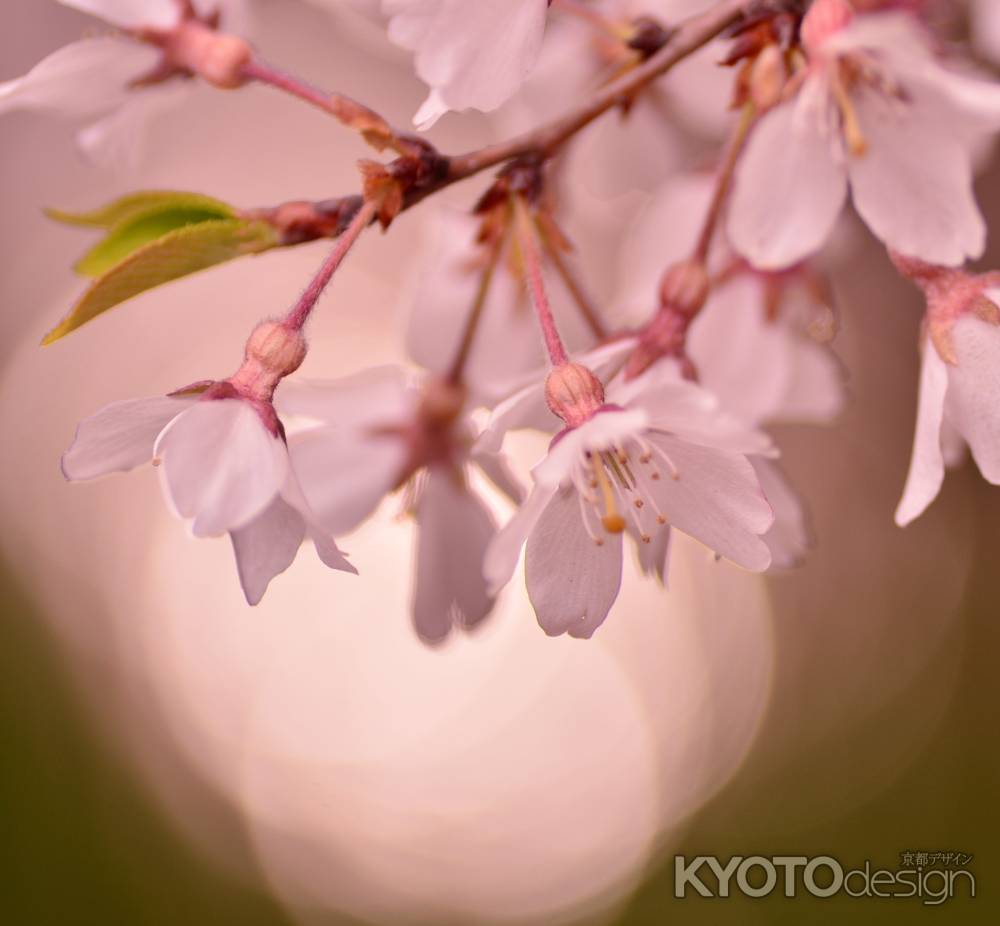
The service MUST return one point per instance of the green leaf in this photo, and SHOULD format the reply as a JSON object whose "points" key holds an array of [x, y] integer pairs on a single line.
{"points": [[178, 253], [137, 230], [143, 201]]}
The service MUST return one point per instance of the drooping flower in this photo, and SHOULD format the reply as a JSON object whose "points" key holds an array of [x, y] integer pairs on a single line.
{"points": [[647, 455], [878, 112], [381, 430], [223, 466], [117, 83], [473, 54], [959, 400]]}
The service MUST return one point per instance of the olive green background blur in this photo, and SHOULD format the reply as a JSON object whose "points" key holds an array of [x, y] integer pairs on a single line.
{"points": [[82, 841]]}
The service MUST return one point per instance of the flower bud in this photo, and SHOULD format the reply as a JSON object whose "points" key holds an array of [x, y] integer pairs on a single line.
{"points": [[215, 57], [279, 350], [767, 79], [825, 17], [685, 287], [573, 393]]}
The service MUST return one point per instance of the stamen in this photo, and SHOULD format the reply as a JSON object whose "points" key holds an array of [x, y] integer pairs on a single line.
{"points": [[613, 522], [584, 514], [857, 144]]}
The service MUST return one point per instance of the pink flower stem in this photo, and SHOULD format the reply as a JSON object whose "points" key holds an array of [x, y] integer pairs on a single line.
{"points": [[349, 112], [723, 182], [588, 311], [528, 242], [475, 315], [296, 318]]}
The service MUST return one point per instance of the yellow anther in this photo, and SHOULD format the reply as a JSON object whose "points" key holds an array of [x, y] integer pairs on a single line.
{"points": [[613, 522], [857, 144]]}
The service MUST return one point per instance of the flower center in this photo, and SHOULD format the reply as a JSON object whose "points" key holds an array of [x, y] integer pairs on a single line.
{"points": [[616, 484]]}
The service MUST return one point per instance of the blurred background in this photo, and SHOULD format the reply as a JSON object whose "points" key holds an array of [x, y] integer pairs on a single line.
{"points": [[171, 755]]}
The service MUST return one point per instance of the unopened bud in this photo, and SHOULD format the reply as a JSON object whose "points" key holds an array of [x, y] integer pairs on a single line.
{"points": [[768, 76], [825, 17], [684, 288], [279, 350], [573, 393], [216, 57]]}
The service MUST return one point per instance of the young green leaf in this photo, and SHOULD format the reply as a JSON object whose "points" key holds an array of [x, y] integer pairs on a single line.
{"points": [[127, 207], [178, 253]]}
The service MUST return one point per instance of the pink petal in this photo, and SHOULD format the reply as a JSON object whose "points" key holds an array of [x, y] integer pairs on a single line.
{"points": [[220, 465], [789, 188], [267, 546], [972, 404], [505, 549], [120, 436], [381, 395], [717, 499], [454, 530], [913, 187], [790, 538], [84, 78], [130, 13], [345, 473], [927, 464], [572, 582]]}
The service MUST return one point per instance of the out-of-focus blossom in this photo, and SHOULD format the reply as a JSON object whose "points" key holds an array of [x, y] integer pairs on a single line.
{"points": [[221, 467], [473, 54], [101, 79], [876, 111], [959, 401], [985, 27], [649, 454], [378, 431]]}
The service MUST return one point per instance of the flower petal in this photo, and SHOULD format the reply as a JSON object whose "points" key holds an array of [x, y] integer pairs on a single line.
{"points": [[972, 404], [120, 436], [505, 549], [267, 546], [379, 395], [572, 581], [220, 465], [790, 537], [346, 473], [130, 13], [913, 186], [789, 188], [927, 464], [84, 78], [717, 499], [454, 530], [654, 557]]}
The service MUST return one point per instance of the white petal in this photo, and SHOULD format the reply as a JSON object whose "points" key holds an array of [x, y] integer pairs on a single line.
{"points": [[326, 546], [345, 473], [498, 470], [455, 528], [790, 538], [572, 582], [267, 546], [130, 13], [606, 429], [120, 436], [505, 549], [985, 29], [475, 55], [789, 188], [717, 499], [220, 465], [83, 78], [972, 404], [927, 464], [913, 186], [379, 394]]}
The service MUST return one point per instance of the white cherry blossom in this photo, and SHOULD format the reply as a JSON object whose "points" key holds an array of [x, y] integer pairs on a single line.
{"points": [[876, 112], [221, 468], [381, 430], [657, 454]]}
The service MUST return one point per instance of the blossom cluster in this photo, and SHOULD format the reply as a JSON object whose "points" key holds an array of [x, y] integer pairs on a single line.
{"points": [[721, 325]]}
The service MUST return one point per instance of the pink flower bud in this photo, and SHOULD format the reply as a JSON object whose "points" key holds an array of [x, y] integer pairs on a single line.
{"points": [[217, 58], [277, 349], [685, 287], [825, 17], [573, 393]]}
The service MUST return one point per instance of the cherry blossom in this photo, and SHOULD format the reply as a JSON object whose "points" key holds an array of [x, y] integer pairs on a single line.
{"points": [[96, 79], [473, 54], [877, 112], [383, 429], [220, 467], [650, 454], [959, 400]]}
